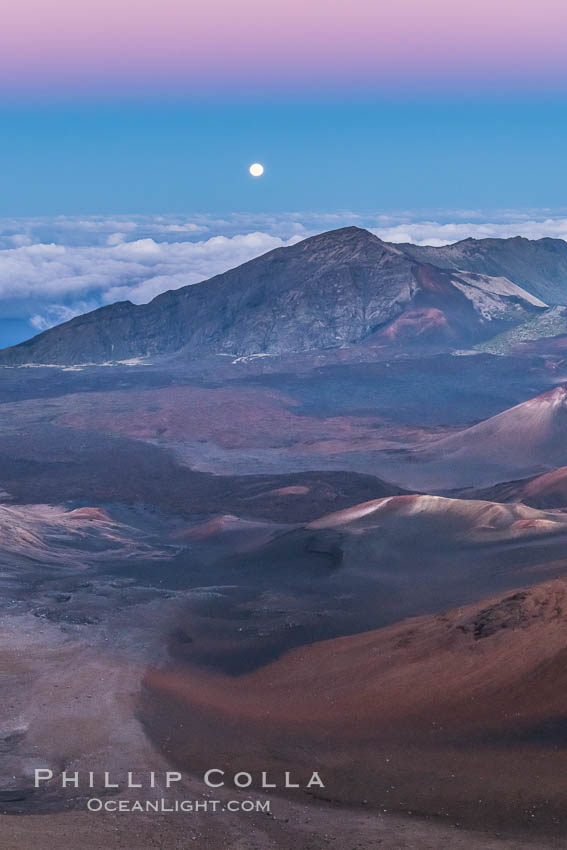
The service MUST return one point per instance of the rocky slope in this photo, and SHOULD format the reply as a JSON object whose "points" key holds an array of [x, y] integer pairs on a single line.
{"points": [[441, 521], [543, 333], [521, 442], [539, 266], [535, 428], [335, 289], [544, 491], [438, 715]]}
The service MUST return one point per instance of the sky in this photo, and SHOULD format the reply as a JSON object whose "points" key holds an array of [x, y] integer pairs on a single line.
{"points": [[366, 153], [428, 119], [139, 46]]}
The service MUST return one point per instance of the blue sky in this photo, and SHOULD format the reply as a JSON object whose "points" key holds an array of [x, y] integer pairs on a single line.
{"points": [[357, 154]]}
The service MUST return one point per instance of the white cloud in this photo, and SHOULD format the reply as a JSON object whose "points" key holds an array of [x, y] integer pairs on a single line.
{"points": [[47, 270], [436, 233], [136, 271], [116, 238], [54, 314]]}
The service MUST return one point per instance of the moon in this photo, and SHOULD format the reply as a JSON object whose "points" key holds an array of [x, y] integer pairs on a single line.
{"points": [[256, 169]]}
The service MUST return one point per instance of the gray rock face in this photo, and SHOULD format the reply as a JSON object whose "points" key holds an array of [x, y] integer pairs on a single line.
{"points": [[335, 289], [538, 266]]}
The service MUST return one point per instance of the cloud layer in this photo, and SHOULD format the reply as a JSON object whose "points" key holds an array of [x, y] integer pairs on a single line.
{"points": [[54, 269]]}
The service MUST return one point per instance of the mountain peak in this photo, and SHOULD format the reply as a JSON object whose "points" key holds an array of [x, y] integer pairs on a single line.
{"points": [[340, 233], [337, 288], [353, 240]]}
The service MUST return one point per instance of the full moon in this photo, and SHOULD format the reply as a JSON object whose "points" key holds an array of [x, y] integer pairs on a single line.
{"points": [[256, 169]]}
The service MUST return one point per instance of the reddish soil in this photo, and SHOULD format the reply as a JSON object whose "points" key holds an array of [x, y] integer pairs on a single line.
{"points": [[416, 324], [94, 514], [549, 490], [544, 491], [462, 715], [241, 417]]}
